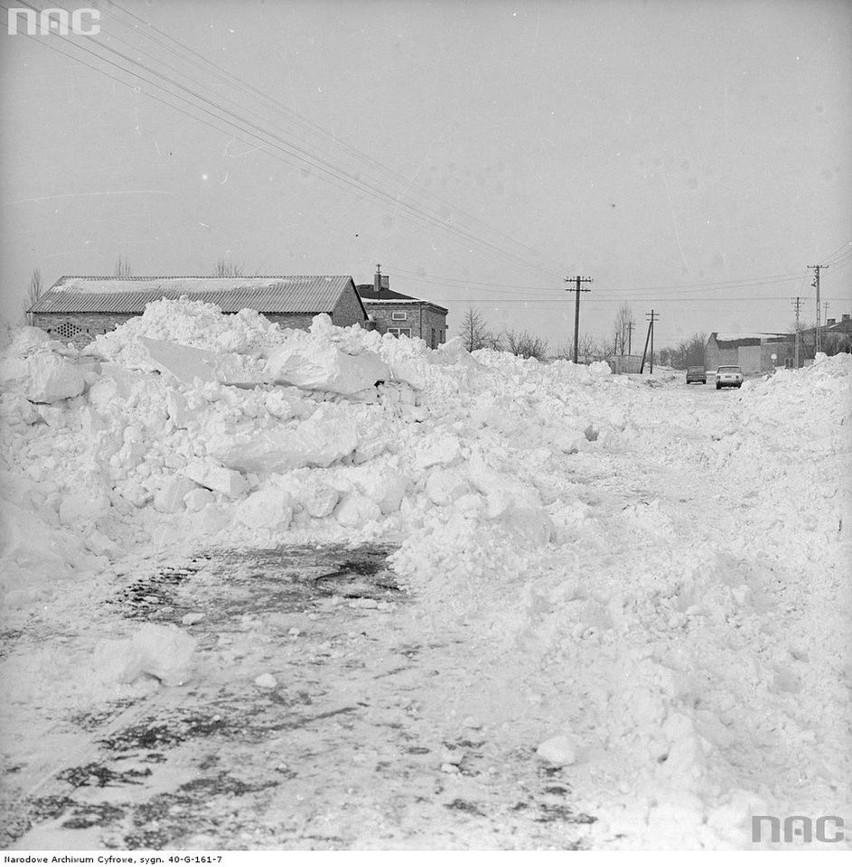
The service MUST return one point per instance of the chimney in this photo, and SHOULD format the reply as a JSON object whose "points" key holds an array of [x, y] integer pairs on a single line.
{"points": [[377, 282], [831, 322]]}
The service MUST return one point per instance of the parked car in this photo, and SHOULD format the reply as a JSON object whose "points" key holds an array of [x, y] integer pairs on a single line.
{"points": [[729, 375], [696, 374]]}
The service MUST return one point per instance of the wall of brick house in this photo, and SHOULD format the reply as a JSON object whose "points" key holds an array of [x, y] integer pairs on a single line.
{"points": [[90, 325], [382, 314], [433, 319], [348, 310], [420, 318]]}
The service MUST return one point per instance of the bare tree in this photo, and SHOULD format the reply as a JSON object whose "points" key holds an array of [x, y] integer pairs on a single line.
{"points": [[34, 292], [475, 334], [621, 327], [524, 344], [122, 266], [227, 267], [687, 353]]}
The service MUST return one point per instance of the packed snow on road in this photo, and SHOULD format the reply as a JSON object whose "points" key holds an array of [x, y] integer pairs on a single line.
{"points": [[592, 611]]}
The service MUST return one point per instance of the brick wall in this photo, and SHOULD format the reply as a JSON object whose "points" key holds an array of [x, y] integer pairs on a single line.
{"points": [[433, 325], [81, 328], [420, 318], [348, 310], [78, 328]]}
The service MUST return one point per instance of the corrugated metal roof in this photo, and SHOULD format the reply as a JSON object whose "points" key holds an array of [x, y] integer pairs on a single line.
{"points": [[284, 294]]}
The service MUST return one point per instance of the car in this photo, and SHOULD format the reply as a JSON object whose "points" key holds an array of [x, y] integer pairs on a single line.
{"points": [[729, 376], [696, 374]]}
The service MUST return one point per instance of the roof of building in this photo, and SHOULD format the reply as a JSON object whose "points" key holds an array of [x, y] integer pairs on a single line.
{"points": [[275, 294], [368, 293], [750, 339]]}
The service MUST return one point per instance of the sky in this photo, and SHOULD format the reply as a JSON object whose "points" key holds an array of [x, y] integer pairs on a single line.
{"points": [[691, 157]]}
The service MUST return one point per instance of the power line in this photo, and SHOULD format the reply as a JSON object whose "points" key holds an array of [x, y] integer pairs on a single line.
{"points": [[300, 120], [328, 170]]}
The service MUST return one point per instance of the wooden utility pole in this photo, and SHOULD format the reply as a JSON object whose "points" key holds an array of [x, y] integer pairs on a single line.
{"points": [[630, 337], [652, 318], [577, 280], [797, 306], [817, 336]]}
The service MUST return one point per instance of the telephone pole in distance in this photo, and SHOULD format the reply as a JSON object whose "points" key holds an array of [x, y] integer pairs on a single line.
{"points": [[577, 280], [797, 306], [652, 318], [817, 336]]}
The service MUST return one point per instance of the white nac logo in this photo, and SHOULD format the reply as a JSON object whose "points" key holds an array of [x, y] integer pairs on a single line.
{"points": [[81, 22]]}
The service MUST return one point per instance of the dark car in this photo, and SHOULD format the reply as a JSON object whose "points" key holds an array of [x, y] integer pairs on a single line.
{"points": [[696, 374]]}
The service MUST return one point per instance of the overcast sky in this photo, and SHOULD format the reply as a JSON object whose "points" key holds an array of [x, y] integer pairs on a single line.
{"points": [[693, 157]]}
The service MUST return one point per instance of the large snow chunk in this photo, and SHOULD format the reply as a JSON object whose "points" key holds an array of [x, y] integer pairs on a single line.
{"points": [[356, 510], [320, 500], [216, 478], [170, 498], [445, 450], [266, 510], [323, 367], [385, 486], [187, 363], [557, 751], [42, 378], [164, 652], [444, 486], [326, 437]]}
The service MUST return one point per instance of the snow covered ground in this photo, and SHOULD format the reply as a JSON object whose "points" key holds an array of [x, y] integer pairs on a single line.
{"points": [[631, 587]]}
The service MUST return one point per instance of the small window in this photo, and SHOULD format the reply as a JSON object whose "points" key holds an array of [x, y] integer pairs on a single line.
{"points": [[396, 315], [400, 332], [67, 330]]}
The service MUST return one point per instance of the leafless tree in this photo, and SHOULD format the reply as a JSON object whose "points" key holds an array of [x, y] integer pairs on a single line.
{"points": [[687, 353], [226, 267], [475, 334], [34, 292], [621, 327], [122, 266], [524, 344]]}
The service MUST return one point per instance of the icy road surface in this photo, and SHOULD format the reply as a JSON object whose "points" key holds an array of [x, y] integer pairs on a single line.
{"points": [[515, 606]]}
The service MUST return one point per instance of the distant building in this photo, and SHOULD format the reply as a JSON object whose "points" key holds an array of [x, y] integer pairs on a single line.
{"points": [[77, 309], [752, 352], [403, 315]]}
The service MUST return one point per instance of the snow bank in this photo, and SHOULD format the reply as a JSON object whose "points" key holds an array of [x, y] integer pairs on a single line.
{"points": [[611, 638]]}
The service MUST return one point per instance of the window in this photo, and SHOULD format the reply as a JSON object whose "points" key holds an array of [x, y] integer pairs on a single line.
{"points": [[433, 344], [400, 332], [397, 315]]}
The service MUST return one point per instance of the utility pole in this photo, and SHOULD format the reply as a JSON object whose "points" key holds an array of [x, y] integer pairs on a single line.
{"points": [[630, 337], [817, 337], [797, 306], [578, 280], [652, 318]]}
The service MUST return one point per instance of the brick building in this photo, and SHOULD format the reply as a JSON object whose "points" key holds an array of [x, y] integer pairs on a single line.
{"points": [[752, 352], [403, 315], [77, 309]]}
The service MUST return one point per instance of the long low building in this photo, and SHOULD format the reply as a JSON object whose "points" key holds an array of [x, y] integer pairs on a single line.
{"points": [[753, 352], [77, 309]]}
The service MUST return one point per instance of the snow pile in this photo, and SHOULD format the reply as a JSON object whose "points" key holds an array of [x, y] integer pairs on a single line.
{"points": [[597, 633]]}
